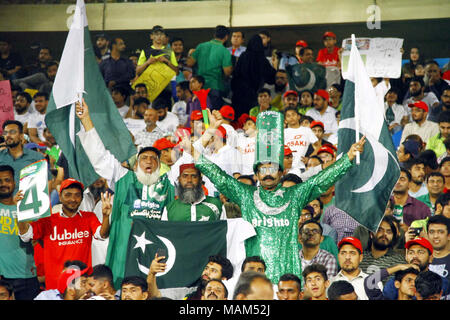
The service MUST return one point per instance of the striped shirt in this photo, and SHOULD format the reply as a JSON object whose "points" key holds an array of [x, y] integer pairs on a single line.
{"points": [[369, 264], [340, 221], [324, 258]]}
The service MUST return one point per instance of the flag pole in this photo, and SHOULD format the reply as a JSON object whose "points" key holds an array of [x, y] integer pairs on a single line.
{"points": [[356, 113]]}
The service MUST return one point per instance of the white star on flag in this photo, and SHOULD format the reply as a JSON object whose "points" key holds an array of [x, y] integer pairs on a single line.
{"points": [[141, 242]]}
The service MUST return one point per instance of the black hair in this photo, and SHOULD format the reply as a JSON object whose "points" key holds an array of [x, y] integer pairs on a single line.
{"points": [[338, 87], [391, 220], [263, 90], [51, 63], [16, 122], [102, 271], [318, 199], [160, 103], [431, 61], [414, 161], [249, 177], [315, 267], [5, 167], [292, 178], [444, 116], [408, 174], [443, 199], [8, 286], [435, 174], [291, 277], [136, 281], [122, 90], [184, 85], [316, 157], [428, 283], [290, 108], [223, 285], [77, 263], [41, 94], [399, 275], [439, 219], [338, 289], [305, 117], [26, 95], [447, 146], [140, 85], [314, 221], [265, 32], [221, 32], [227, 267], [140, 100], [253, 259], [155, 150], [175, 39], [303, 50], [417, 79], [245, 280], [242, 32], [199, 78], [429, 158]]}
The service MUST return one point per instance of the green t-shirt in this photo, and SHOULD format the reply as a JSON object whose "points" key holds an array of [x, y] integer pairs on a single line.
{"points": [[209, 209], [255, 110], [425, 198], [16, 257], [153, 52], [211, 58]]}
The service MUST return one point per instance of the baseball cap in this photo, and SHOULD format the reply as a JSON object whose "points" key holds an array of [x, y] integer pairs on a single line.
{"points": [[221, 132], [32, 145], [68, 182], [157, 29], [412, 147], [324, 94], [290, 92], [317, 123], [327, 149], [301, 43], [287, 150], [163, 143], [68, 275], [353, 241], [421, 242], [329, 34], [227, 112], [186, 166], [419, 104], [101, 35], [196, 115]]}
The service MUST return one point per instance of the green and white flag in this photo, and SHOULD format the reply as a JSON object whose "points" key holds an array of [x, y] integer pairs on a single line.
{"points": [[79, 76], [364, 191], [188, 244], [34, 184]]}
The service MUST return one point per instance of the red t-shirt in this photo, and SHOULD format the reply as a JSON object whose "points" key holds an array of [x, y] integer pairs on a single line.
{"points": [[328, 59], [65, 239]]}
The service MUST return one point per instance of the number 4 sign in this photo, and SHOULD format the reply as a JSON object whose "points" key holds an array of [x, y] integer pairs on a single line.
{"points": [[34, 184]]}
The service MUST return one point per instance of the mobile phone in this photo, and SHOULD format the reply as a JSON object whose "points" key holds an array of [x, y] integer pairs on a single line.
{"points": [[162, 252], [416, 231]]}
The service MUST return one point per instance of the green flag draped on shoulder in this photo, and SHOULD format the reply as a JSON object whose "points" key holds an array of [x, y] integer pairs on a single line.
{"points": [[364, 191], [79, 76], [188, 246]]}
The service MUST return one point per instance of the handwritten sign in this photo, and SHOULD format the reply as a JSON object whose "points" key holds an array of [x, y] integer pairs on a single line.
{"points": [[156, 77], [6, 103], [381, 56], [34, 184]]}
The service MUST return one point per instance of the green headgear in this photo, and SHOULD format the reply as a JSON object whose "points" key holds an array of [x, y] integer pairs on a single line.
{"points": [[269, 139]]}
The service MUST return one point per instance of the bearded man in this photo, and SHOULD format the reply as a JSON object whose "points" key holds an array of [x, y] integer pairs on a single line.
{"points": [[192, 204]]}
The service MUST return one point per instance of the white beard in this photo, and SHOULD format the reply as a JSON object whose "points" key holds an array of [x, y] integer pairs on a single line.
{"points": [[146, 178]]}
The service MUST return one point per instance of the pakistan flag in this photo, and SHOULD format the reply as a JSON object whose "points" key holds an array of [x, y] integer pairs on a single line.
{"points": [[188, 246], [364, 191]]}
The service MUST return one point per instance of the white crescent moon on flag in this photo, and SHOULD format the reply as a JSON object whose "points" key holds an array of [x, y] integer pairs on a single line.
{"points": [[310, 84], [171, 252], [381, 160]]}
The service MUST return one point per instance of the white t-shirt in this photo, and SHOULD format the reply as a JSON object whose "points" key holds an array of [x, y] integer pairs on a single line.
{"points": [[37, 121], [27, 117], [246, 146], [298, 140], [179, 109], [123, 110], [232, 135], [328, 118], [169, 124], [134, 125]]}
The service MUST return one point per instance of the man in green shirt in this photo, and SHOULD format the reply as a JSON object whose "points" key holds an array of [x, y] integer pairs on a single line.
{"points": [[436, 143], [435, 185], [17, 265], [192, 204], [263, 103], [213, 62]]}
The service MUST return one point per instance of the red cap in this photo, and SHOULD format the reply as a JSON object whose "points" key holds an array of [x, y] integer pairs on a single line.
{"points": [[326, 149], [301, 43], [421, 242], [163, 143], [227, 112], [221, 132], [324, 94], [353, 241], [196, 115], [68, 182], [317, 123], [419, 104], [332, 146], [290, 92], [186, 166], [329, 34], [68, 275], [181, 132], [446, 75], [287, 150]]}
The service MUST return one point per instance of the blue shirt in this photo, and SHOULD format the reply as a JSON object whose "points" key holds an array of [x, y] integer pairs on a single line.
{"points": [[121, 70]]}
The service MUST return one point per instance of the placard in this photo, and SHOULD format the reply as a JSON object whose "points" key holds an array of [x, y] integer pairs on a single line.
{"points": [[381, 56], [156, 77], [6, 103], [36, 200]]}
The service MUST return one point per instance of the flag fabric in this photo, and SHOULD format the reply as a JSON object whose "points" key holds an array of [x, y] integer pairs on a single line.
{"points": [[189, 245], [78, 74], [364, 191], [306, 76]]}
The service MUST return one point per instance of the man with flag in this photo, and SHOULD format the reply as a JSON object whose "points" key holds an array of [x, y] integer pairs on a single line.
{"points": [[272, 209], [365, 191]]}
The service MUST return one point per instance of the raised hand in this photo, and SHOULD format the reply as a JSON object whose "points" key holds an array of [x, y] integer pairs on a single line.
{"points": [[356, 147], [106, 203]]}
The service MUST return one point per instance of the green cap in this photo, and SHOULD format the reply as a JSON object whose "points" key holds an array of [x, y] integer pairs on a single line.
{"points": [[269, 139]]}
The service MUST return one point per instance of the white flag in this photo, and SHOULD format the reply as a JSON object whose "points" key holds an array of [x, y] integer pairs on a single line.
{"points": [[69, 80]]}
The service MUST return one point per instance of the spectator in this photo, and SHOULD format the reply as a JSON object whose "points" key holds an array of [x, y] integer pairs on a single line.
{"points": [[316, 282], [263, 103], [350, 256], [307, 55], [290, 99], [22, 109], [253, 263], [251, 72], [328, 231], [227, 115], [184, 95], [444, 105], [335, 92], [278, 88], [37, 124], [323, 113], [101, 47], [406, 152], [267, 42], [253, 286], [116, 69], [417, 93], [329, 56], [42, 80], [341, 290], [134, 288], [237, 41], [136, 123], [420, 125], [167, 121], [54, 231], [289, 287], [215, 289], [438, 228], [428, 286], [396, 115], [152, 132], [433, 80], [417, 185], [6, 290], [246, 142], [443, 205], [17, 266], [213, 62], [119, 95], [167, 158], [435, 185], [100, 284], [10, 61], [406, 207], [185, 73], [298, 46], [436, 143]]}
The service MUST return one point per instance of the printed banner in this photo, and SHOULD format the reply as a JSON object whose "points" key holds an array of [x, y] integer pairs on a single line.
{"points": [[156, 77], [36, 200], [381, 56]]}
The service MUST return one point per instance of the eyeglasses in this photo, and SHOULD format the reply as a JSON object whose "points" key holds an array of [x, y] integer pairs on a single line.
{"points": [[313, 231], [9, 132], [268, 170]]}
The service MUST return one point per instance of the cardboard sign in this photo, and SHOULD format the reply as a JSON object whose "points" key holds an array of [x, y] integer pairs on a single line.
{"points": [[6, 103], [156, 77], [36, 200], [381, 56]]}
